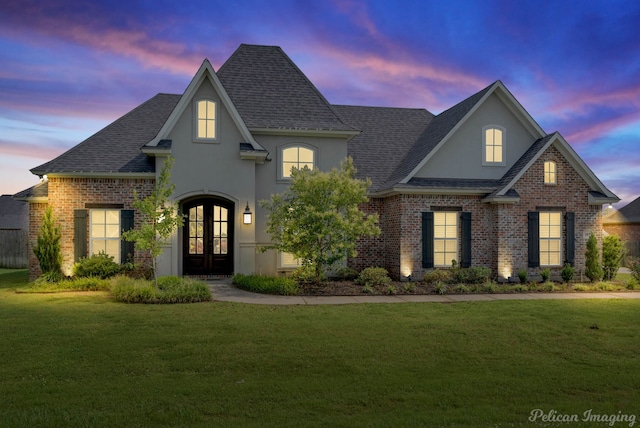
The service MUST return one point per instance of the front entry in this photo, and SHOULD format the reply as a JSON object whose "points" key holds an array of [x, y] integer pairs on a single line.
{"points": [[208, 237]]}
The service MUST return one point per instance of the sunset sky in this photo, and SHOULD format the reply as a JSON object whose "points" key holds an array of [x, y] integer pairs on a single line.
{"points": [[69, 68]]}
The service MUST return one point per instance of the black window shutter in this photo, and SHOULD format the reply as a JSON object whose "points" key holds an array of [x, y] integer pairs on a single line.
{"points": [[571, 238], [534, 239], [465, 240], [427, 240], [126, 247], [79, 234]]}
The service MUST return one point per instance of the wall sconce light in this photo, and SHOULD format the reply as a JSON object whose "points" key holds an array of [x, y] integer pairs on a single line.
{"points": [[246, 217]]}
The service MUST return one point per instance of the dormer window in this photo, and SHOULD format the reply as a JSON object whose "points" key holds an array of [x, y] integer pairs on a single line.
{"points": [[296, 156], [205, 120], [493, 144], [550, 172]]}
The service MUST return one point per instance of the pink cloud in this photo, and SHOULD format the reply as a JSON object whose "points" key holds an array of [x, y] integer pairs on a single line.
{"points": [[30, 150]]}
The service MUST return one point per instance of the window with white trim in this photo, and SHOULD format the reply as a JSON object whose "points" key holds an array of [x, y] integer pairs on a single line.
{"points": [[205, 120], [493, 144], [550, 236], [445, 238], [550, 174], [298, 157], [105, 232]]}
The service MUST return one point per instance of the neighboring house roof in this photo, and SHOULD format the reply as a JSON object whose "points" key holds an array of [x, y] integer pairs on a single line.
{"points": [[37, 193], [630, 213], [116, 148], [270, 91], [14, 214], [388, 133]]}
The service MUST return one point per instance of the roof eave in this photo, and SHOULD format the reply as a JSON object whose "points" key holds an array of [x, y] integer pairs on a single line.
{"points": [[596, 200], [305, 132]]}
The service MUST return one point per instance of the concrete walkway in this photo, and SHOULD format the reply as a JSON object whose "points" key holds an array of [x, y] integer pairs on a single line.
{"points": [[224, 291]]}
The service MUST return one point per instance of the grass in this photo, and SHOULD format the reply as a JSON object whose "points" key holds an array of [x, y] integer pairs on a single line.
{"points": [[82, 359]]}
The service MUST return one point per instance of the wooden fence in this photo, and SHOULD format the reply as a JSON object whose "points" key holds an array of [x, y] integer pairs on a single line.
{"points": [[633, 248], [13, 248]]}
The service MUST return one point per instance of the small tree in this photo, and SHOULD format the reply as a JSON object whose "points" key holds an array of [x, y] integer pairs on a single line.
{"points": [[593, 270], [47, 248], [159, 217], [317, 219], [612, 254]]}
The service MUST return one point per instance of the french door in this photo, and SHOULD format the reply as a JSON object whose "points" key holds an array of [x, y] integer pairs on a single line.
{"points": [[208, 237]]}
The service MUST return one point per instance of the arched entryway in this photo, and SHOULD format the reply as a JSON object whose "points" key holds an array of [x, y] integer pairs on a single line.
{"points": [[207, 236]]}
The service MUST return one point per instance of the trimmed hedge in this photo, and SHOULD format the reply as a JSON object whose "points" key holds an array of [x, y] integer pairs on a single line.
{"points": [[266, 284]]}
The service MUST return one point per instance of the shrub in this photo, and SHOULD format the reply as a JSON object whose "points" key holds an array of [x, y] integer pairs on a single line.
{"points": [[367, 289], [634, 265], [441, 287], [266, 284], [567, 273], [99, 265], [491, 287], [612, 254], [461, 288], [545, 274], [47, 248], [346, 274], [437, 275], [460, 275], [391, 290], [478, 275], [523, 275], [409, 287], [631, 284], [593, 270], [306, 274], [169, 290], [374, 276]]}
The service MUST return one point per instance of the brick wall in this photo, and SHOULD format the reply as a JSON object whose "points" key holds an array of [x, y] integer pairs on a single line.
{"points": [[69, 194]]}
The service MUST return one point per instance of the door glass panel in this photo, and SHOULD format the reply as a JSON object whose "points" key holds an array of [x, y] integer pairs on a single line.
{"points": [[196, 230], [220, 223]]}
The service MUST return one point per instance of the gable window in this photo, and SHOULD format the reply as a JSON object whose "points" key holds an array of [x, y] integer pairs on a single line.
{"points": [[205, 120], [550, 238], [445, 238], [298, 157], [550, 172], [105, 232], [493, 143]]}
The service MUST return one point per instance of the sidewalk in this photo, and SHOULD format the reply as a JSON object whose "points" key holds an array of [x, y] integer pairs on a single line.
{"points": [[224, 291]]}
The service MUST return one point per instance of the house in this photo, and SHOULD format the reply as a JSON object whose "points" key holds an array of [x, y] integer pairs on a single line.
{"points": [[480, 183], [625, 223]]}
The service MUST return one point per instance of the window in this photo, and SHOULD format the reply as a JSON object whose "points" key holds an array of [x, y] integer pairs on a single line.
{"points": [[549, 172], [220, 230], [205, 120], [287, 260], [105, 232], [445, 238], [493, 143], [550, 238], [296, 157], [196, 230]]}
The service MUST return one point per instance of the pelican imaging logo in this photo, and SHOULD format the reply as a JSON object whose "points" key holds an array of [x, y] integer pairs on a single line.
{"points": [[553, 416]]}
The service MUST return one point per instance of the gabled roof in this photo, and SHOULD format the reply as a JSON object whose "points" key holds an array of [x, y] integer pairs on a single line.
{"points": [[270, 92], [37, 193], [116, 148], [630, 213], [387, 135]]}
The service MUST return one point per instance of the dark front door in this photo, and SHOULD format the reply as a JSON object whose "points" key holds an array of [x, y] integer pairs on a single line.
{"points": [[208, 237]]}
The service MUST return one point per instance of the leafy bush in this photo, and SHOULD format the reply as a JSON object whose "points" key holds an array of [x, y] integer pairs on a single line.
{"points": [[491, 288], [409, 287], [99, 265], [441, 287], [461, 288], [266, 284], [391, 290], [306, 274], [478, 275], [460, 275], [593, 270], [612, 254], [545, 274], [374, 276], [523, 275], [367, 289], [437, 275], [346, 274], [634, 265], [567, 272], [169, 290]]}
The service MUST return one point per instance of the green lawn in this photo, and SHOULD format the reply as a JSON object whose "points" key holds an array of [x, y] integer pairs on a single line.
{"points": [[81, 359]]}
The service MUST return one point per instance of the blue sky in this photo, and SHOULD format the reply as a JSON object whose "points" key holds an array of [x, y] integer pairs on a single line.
{"points": [[69, 68]]}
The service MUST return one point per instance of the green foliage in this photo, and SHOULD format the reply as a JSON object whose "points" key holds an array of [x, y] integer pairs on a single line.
{"points": [[523, 275], [613, 253], [169, 290], [567, 272], [306, 274], [478, 275], [593, 269], [391, 290], [374, 276], [545, 274], [491, 288], [74, 284], [441, 287], [368, 289], [99, 265], [346, 274], [634, 266], [462, 289], [266, 284], [47, 248], [317, 218], [409, 287], [159, 217], [442, 275]]}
